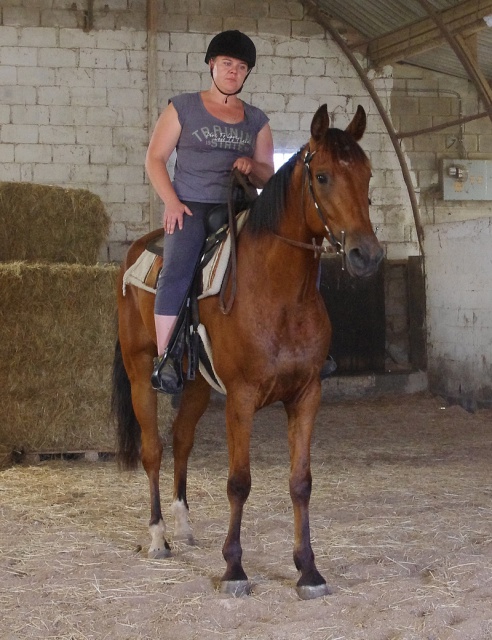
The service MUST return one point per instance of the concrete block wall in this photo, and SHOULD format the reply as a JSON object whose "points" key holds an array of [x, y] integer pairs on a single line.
{"points": [[74, 103], [422, 99], [457, 244], [459, 311]]}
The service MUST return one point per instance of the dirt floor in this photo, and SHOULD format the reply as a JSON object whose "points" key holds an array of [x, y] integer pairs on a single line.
{"points": [[401, 518]]}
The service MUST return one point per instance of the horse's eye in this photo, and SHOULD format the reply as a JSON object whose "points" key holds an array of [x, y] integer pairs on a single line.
{"points": [[322, 178]]}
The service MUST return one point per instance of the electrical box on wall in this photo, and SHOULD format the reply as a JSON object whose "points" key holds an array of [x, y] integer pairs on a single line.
{"points": [[467, 179]]}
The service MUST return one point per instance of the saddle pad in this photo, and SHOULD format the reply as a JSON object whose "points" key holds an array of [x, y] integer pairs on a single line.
{"points": [[138, 273], [214, 271]]}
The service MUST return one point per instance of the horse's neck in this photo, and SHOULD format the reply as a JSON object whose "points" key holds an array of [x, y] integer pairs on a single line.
{"points": [[280, 267]]}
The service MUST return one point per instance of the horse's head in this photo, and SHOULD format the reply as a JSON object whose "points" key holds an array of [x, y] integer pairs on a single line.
{"points": [[337, 174]]}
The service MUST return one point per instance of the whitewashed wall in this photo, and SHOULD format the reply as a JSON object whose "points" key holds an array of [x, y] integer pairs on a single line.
{"points": [[459, 310], [73, 105], [74, 112]]}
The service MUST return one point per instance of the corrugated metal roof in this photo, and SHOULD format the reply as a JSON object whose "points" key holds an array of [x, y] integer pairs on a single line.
{"points": [[376, 18], [373, 18]]}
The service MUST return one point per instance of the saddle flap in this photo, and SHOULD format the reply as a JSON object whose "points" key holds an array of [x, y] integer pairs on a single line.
{"points": [[144, 272]]}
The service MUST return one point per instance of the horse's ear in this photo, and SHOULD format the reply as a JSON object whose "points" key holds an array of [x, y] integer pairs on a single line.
{"points": [[320, 123], [358, 125]]}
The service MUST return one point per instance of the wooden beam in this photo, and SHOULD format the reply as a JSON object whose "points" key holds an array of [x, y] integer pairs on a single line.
{"points": [[472, 44], [469, 61], [465, 19], [152, 95], [464, 55]]}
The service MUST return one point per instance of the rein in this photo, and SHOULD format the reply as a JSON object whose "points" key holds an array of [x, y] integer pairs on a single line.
{"points": [[317, 248], [250, 193], [338, 245]]}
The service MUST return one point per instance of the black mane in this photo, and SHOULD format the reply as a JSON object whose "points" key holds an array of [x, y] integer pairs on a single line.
{"points": [[266, 210]]}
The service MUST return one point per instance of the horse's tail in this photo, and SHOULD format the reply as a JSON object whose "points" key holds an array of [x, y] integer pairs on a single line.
{"points": [[127, 426]]}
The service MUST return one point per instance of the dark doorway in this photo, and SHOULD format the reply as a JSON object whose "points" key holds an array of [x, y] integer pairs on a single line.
{"points": [[357, 312]]}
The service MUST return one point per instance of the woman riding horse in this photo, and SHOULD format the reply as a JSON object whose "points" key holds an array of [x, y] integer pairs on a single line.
{"points": [[269, 348], [212, 132]]}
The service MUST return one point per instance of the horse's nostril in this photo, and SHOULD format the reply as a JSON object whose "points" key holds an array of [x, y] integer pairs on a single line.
{"points": [[356, 257], [364, 261]]}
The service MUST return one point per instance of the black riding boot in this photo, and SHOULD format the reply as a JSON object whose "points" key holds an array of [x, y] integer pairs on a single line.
{"points": [[328, 368], [167, 376]]}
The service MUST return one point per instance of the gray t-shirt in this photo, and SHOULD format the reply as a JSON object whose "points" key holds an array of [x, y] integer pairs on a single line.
{"points": [[208, 147]]}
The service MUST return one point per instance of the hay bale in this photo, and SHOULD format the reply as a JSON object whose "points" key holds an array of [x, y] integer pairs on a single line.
{"points": [[56, 348], [44, 223], [58, 329]]}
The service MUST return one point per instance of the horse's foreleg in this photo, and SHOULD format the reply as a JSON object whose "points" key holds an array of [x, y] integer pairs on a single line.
{"points": [[194, 401], [239, 424], [311, 583]]}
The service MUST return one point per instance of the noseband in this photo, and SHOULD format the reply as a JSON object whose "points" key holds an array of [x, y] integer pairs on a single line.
{"points": [[338, 245]]}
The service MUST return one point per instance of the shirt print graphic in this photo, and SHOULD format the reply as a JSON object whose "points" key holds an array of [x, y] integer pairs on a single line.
{"points": [[223, 137]]}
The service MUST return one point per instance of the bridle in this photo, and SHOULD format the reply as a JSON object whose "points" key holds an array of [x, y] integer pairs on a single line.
{"points": [[338, 245], [318, 249]]}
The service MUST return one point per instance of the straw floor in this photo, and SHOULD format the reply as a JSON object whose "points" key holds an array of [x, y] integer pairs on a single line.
{"points": [[401, 518]]}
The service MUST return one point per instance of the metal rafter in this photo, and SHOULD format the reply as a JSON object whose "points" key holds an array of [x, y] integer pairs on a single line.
{"points": [[466, 19], [325, 21], [465, 55], [442, 125]]}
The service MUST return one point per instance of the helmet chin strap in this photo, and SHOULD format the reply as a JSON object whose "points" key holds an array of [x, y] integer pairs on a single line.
{"points": [[229, 94]]}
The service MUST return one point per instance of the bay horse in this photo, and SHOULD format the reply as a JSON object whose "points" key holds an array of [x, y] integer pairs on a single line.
{"points": [[270, 347]]}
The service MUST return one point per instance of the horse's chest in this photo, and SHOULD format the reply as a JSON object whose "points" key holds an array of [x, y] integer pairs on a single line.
{"points": [[291, 332]]}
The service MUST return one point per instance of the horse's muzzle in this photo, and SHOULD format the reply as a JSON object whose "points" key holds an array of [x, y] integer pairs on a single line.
{"points": [[364, 258]]}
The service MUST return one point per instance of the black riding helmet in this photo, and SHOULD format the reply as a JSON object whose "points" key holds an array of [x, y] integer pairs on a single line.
{"points": [[232, 43], [235, 44]]}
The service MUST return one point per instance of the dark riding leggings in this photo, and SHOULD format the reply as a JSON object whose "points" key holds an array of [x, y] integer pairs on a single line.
{"points": [[181, 253]]}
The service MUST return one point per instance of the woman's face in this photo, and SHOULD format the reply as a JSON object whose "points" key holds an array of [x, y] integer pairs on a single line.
{"points": [[229, 73]]}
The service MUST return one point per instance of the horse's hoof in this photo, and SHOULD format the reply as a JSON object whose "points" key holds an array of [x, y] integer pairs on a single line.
{"points": [[158, 554], [309, 592], [236, 588], [187, 539]]}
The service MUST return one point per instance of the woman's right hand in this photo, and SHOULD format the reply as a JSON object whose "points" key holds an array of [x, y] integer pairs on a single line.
{"points": [[174, 215]]}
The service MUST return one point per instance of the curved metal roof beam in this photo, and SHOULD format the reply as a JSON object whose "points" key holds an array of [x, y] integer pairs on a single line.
{"points": [[326, 23]]}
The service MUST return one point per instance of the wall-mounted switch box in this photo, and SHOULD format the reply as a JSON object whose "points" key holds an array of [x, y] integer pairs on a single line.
{"points": [[467, 179]]}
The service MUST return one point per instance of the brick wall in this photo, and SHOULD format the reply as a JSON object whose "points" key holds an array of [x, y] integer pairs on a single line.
{"points": [[74, 103]]}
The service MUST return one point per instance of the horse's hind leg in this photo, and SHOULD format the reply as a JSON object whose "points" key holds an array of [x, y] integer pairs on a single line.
{"points": [[194, 401], [311, 583], [145, 404], [151, 456], [136, 334]]}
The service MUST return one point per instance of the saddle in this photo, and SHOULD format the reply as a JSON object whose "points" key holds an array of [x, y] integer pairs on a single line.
{"points": [[188, 334]]}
